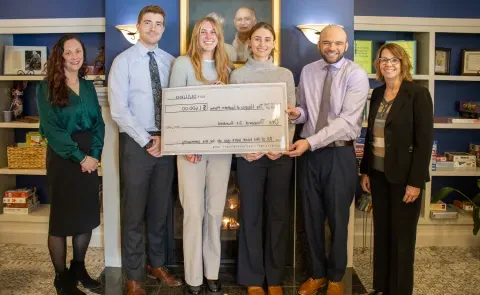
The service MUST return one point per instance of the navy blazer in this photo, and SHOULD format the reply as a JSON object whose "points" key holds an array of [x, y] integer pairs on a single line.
{"points": [[408, 135]]}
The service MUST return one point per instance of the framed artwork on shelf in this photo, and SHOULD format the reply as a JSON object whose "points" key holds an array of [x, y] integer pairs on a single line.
{"points": [[470, 62], [25, 60], [442, 60], [237, 17]]}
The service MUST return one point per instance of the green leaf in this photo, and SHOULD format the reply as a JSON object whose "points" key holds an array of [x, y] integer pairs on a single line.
{"points": [[443, 192], [476, 220]]}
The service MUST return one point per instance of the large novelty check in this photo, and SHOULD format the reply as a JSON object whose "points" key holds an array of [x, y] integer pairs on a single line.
{"points": [[224, 119]]}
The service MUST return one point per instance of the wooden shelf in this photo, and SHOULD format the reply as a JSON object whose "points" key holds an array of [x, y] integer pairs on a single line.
{"points": [[456, 126], [19, 125], [415, 77], [41, 214], [39, 77], [456, 78], [475, 171], [7, 171], [463, 219]]}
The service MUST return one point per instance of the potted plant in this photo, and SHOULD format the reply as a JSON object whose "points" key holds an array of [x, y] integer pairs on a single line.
{"points": [[442, 193]]}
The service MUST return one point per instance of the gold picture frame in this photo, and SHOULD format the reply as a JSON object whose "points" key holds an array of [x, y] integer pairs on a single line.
{"points": [[185, 23]]}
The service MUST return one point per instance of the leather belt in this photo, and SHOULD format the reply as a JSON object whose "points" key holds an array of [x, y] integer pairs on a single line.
{"points": [[340, 143], [155, 133]]}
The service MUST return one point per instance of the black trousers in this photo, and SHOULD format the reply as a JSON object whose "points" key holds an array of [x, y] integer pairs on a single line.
{"points": [[327, 179], [395, 229], [146, 188], [264, 220]]}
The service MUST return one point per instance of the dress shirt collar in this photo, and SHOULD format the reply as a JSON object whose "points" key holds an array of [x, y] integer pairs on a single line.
{"points": [[143, 50], [336, 65]]}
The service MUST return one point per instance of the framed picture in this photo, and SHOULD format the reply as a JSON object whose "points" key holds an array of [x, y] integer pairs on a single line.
{"points": [[238, 17], [25, 60], [470, 62], [442, 60]]}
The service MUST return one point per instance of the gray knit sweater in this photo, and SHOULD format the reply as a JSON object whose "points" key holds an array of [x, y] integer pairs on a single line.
{"points": [[266, 72]]}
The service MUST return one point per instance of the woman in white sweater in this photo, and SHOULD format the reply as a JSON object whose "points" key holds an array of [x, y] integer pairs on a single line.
{"points": [[264, 180], [202, 179]]}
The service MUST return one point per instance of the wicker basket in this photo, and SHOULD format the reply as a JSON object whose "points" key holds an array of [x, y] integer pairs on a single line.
{"points": [[27, 157]]}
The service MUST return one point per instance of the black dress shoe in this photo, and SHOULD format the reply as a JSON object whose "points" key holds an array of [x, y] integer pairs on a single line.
{"points": [[377, 293], [194, 290], [214, 285]]}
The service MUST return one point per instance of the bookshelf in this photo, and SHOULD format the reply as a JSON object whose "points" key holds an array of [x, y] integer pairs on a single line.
{"points": [[33, 228], [40, 78], [430, 33]]}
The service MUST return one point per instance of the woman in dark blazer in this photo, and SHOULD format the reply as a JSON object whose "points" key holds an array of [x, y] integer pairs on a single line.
{"points": [[395, 167]]}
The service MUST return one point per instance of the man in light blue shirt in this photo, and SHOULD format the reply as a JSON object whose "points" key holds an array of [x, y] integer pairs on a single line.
{"points": [[136, 79]]}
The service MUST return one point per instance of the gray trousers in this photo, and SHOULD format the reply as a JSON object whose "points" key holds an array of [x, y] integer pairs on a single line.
{"points": [[203, 191], [146, 189]]}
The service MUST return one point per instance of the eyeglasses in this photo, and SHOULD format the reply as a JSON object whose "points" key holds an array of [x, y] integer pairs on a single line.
{"points": [[394, 60]]}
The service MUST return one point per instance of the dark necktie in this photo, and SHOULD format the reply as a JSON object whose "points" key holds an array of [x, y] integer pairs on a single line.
{"points": [[322, 119], [156, 90]]}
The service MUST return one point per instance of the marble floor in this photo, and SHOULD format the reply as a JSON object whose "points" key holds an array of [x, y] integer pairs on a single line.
{"points": [[26, 269]]}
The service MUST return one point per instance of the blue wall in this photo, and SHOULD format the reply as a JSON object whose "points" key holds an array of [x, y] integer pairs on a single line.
{"points": [[120, 12], [419, 8], [92, 42], [296, 50], [10, 9]]}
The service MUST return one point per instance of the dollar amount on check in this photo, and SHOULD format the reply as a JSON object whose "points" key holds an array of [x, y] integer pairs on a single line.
{"points": [[224, 119]]}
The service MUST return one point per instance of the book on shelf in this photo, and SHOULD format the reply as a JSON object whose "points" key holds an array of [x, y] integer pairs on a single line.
{"points": [[453, 120], [22, 211], [449, 213], [363, 54], [438, 206]]}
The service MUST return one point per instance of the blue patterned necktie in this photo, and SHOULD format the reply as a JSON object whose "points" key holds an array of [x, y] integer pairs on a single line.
{"points": [[322, 120], [156, 90]]}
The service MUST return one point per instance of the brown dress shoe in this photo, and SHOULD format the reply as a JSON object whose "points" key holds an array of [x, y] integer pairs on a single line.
{"points": [[275, 290], [335, 288], [255, 290], [311, 286], [135, 288], [164, 275]]}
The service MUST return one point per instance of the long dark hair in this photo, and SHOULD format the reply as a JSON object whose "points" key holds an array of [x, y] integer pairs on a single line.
{"points": [[56, 79]]}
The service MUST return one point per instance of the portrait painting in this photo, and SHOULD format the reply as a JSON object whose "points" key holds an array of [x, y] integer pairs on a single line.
{"points": [[237, 17]]}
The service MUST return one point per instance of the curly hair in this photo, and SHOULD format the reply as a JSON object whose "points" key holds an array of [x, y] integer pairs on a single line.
{"points": [[56, 80]]}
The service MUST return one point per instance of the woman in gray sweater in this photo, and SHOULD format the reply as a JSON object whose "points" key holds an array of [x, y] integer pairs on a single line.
{"points": [[202, 179], [264, 181]]}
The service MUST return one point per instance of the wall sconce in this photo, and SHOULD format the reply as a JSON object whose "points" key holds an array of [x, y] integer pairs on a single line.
{"points": [[130, 32], [312, 31]]}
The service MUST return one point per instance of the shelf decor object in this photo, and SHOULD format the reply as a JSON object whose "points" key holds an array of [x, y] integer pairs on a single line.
{"points": [[442, 60], [470, 62], [25, 60]]}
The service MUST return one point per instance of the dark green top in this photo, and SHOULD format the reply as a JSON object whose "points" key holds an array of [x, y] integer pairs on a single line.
{"points": [[82, 113]]}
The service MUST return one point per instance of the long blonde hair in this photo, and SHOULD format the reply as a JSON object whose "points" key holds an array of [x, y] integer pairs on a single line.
{"points": [[223, 64]]}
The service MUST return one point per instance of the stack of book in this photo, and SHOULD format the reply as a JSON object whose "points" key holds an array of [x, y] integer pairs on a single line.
{"points": [[470, 109], [453, 160], [20, 201], [474, 149]]}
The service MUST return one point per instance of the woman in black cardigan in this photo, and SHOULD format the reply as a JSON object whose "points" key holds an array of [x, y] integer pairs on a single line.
{"points": [[395, 167]]}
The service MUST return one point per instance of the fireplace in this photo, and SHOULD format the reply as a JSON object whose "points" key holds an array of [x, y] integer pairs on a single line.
{"points": [[230, 225], [229, 230]]}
